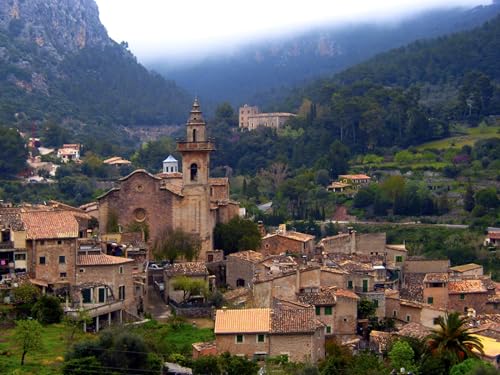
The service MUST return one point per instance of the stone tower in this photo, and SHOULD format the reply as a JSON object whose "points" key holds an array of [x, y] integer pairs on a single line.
{"points": [[195, 151]]}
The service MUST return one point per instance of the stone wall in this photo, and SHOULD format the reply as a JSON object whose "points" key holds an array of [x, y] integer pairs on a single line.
{"points": [[426, 266], [345, 317], [112, 276], [461, 302], [239, 269], [367, 243], [306, 347], [193, 311], [50, 272], [279, 244], [249, 346]]}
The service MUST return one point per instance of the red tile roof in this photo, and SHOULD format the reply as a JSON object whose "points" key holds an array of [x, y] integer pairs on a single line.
{"points": [[299, 320], [50, 224], [242, 321], [100, 260], [466, 286]]}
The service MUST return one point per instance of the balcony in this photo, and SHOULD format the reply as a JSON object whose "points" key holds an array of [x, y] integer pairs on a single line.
{"points": [[96, 309], [195, 146], [6, 245]]}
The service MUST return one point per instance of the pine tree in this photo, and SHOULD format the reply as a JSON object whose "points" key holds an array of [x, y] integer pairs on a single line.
{"points": [[469, 201]]}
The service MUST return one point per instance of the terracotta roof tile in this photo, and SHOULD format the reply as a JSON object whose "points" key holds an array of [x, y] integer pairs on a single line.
{"points": [[346, 294], [100, 260], [466, 286], [50, 224], [297, 320], [321, 298], [242, 321], [186, 269], [436, 277], [249, 255]]}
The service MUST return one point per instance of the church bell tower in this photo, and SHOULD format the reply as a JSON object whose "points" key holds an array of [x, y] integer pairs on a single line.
{"points": [[195, 149]]}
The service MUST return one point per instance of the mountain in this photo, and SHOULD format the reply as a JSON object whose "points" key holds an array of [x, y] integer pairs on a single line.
{"points": [[282, 63], [398, 99], [57, 61]]}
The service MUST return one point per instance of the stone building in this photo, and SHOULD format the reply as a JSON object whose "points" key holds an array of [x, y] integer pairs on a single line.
{"points": [[250, 118], [336, 309], [258, 333], [191, 200], [241, 268], [286, 241]]}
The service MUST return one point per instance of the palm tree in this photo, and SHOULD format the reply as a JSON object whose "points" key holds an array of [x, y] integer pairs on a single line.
{"points": [[453, 339]]}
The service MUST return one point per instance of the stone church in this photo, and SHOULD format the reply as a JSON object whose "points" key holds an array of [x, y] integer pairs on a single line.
{"points": [[190, 200]]}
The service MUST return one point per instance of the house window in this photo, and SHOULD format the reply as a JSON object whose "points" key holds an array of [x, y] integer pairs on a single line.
{"points": [[121, 292], [101, 295], [349, 284], [239, 339], [240, 283], [318, 310], [42, 242], [62, 259], [394, 313], [399, 258], [430, 300], [365, 286], [435, 321], [408, 318], [261, 338], [20, 257], [328, 330], [42, 260], [120, 270], [462, 296], [194, 135], [59, 242], [82, 270], [87, 295], [63, 275], [328, 310], [210, 258], [194, 172]]}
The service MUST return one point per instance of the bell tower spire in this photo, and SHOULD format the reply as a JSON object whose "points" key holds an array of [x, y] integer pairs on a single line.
{"points": [[195, 149]]}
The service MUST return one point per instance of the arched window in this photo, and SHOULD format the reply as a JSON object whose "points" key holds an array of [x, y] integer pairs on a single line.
{"points": [[194, 172], [194, 135]]}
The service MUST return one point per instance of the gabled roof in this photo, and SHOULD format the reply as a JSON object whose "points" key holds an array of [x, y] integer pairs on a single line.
{"points": [[137, 171], [299, 320], [355, 176], [243, 321], [296, 236], [49, 224], [466, 286], [100, 260], [248, 255]]}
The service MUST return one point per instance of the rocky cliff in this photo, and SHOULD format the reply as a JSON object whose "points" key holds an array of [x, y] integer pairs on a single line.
{"points": [[56, 60]]}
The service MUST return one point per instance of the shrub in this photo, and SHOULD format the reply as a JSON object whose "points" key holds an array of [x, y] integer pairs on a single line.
{"points": [[48, 310]]}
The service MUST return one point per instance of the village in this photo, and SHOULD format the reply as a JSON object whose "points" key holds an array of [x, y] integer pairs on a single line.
{"points": [[288, 297]]}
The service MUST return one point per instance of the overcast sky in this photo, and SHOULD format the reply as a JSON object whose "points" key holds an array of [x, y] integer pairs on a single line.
{"points": [[178, 27]]}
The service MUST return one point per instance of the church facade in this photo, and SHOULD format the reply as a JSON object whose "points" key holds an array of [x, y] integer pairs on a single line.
{"points": [[189, 200]]}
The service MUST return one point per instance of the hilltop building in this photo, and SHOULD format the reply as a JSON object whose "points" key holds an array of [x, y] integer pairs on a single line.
{"points": [[251, 118], [189, 200]]}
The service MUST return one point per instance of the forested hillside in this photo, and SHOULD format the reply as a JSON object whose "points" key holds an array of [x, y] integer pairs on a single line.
{"points": [[277, 64], [57, 62]]}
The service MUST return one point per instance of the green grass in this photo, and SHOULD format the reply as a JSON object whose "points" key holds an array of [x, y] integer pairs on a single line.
{"points": [[177, 338], [467, 136], [47, 360]]}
